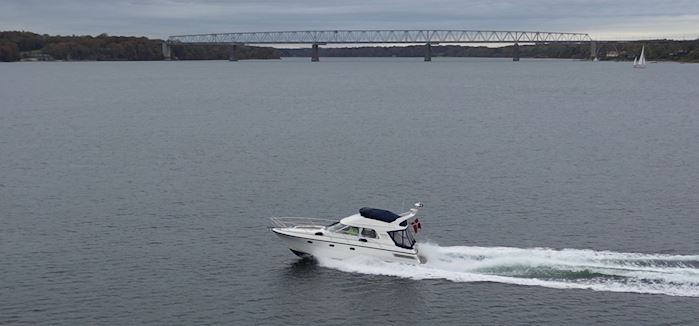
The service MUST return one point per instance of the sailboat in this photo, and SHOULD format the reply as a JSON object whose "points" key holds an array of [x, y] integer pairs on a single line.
{"points": [[640, 62]]}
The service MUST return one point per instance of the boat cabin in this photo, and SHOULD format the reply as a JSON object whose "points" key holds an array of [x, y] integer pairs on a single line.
{"points": [[380, 226]]}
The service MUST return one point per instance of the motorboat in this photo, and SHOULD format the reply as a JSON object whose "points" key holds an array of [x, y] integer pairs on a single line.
{"points": [[371, 232]]}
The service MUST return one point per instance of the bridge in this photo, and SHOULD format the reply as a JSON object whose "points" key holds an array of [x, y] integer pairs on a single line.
{"points": [[427, 37]]}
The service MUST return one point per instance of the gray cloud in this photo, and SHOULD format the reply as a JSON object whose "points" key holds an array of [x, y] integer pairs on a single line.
{"points": [[627, 19]]}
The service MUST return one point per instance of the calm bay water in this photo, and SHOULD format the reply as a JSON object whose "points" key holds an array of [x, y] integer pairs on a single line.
{"points": [[137, 193]]}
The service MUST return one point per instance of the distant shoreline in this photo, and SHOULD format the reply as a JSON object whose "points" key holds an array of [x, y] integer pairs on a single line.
{"points": [[659, 50], [298, 57]]}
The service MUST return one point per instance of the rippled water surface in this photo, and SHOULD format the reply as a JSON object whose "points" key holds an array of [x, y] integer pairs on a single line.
{"points": [[556, 191]]}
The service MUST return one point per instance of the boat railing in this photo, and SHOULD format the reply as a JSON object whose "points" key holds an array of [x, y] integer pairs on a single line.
{"points": [[300, 222]]}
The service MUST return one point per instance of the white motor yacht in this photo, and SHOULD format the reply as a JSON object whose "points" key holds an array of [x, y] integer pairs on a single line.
{"points": [[371, 232]]}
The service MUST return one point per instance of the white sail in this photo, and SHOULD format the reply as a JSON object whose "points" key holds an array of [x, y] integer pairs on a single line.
{"points": [[640, 62]]}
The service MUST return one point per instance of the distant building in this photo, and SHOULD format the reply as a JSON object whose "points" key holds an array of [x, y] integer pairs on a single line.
{"points": [[37, 56]]}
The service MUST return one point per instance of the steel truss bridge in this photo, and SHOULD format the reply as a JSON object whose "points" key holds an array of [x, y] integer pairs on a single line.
{"points": [[427, 37]]}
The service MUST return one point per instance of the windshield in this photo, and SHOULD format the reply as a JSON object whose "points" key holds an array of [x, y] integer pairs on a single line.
{"points": [[342, 228], [335, 227]]}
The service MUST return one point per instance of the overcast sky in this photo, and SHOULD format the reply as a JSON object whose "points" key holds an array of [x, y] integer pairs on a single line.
{"points": [[614, 19]]}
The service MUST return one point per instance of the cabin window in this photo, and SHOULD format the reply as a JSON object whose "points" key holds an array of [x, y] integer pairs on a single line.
{"points": [[368, 233], [351, 230], [403, 238]]}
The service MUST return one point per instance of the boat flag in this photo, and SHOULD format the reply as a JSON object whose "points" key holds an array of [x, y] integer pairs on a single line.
{"points": [[416, 225]]}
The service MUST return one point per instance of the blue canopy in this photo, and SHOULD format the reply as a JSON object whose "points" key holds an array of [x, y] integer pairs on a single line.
{"points": [[378, 214]]}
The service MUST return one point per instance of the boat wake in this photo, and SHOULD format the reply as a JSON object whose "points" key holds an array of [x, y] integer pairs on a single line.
{"points": [[674, 275]]}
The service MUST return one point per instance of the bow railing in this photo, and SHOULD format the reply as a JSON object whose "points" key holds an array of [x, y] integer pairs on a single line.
{"points": [[299, 222]]}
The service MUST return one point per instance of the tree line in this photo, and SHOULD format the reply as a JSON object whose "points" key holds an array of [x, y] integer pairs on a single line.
{"points": [[17, 45]]}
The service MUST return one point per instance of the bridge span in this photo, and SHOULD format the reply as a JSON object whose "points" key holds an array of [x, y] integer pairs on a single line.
{"points": [[427, 37]]}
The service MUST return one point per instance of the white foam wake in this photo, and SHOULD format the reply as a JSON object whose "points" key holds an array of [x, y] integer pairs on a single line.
{"points": [[675, 275]]}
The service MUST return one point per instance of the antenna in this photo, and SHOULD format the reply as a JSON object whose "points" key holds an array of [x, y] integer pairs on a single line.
{"points": [[415, 207]]}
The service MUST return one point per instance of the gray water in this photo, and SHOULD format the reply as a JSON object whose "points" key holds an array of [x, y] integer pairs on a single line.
{"points": [[555, 191]]}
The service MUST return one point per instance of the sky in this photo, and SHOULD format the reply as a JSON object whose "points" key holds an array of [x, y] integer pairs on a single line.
{"points": [[603, 20]]}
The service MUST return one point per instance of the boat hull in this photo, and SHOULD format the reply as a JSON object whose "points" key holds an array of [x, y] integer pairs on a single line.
{"points": [[327, 248]]}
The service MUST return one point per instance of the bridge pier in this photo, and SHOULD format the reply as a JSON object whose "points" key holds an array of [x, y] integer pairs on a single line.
{"points": [[515, 52], [167, 51], [232, 55], [593, 50], [428, 52], [314, 53]]}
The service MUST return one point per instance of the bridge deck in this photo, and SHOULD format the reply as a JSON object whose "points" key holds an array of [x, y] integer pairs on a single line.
{"points": [[382, 36]]}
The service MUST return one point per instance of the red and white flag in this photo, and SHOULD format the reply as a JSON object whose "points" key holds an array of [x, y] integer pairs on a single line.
{"points": [[416, 225]]}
